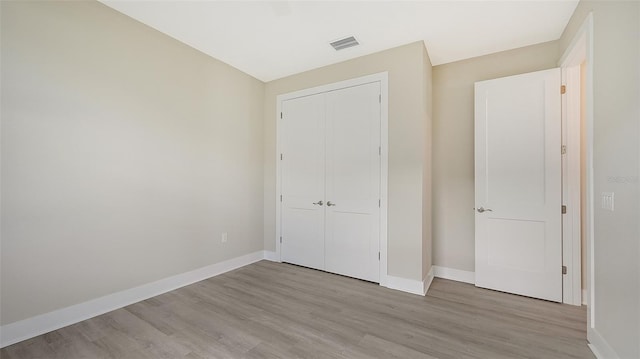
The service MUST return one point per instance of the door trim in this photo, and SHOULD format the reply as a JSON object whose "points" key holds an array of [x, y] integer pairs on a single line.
{"points": [[580, 49], [383, 79], [571, 191]]}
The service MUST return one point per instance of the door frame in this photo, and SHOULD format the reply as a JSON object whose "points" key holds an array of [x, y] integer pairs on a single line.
{"points": [[383, 79], [571, 189], [580, 50]]}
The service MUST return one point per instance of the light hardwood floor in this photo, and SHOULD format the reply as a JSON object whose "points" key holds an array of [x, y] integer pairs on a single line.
{"points": [[273, 310]]}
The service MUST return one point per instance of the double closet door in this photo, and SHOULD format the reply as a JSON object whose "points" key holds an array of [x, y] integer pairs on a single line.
{"points": [[330, 162]]}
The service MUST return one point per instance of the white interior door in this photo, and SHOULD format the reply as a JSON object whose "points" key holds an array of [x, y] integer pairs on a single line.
{"points": [[303, 168], [518, 185], [331, 181], [352, 186]]}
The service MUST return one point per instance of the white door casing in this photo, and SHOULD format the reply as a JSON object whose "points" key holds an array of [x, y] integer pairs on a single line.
{"points": [[518, 184], [571, 187], [353, 181], [578, 221]]}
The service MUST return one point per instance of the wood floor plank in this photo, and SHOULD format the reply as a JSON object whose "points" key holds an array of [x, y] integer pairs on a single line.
{"points": [[275, 310]]}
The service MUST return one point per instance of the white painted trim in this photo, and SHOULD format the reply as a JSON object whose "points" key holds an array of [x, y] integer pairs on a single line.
{"points": [[600, 347], [383, 79], [44, 323], [584, 297], [571, 189], [573, 55], [581, 48], [427, 280], [405, 285], [384, 175], [271, 256], [378, 77], [455, 274], [278, 202], [410, 285]]}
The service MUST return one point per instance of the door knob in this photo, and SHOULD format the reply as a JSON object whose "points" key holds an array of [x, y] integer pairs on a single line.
{"points": [[319, 203], [482, 209], [330, 204]]}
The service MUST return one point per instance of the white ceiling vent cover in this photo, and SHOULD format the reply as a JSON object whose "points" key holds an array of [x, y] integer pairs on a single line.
{"points": [[345, 43]]}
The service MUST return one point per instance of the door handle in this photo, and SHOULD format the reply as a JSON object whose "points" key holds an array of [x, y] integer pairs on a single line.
{"points": [[482, 209], [319, 203], [329, 204]]}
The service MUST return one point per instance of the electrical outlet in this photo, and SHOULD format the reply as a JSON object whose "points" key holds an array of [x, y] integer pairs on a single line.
{"points": [[223, 238], [607, 201]]}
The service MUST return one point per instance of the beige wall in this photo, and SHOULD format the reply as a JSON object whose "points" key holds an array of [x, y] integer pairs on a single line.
{"points": [[405, 65], [616, 165], [453, 161], [427, 196], [125, 154]]}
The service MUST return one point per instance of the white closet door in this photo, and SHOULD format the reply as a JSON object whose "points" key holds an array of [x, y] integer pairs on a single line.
{"points": [[352, 228], [303, 168], [518, 185]]}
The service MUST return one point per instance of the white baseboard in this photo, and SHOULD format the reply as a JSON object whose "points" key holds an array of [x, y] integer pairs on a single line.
{"points": [[454, 274], [427, 281], [405, 285], [271, 256], [44, 323], [391, 282], [599, 346]]}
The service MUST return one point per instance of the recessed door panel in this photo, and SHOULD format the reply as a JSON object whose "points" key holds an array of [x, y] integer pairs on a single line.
{"points": [[513, 244], [349, 246]]}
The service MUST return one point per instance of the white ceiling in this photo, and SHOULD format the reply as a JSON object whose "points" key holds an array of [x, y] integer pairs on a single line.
{"points": [[274, 39]]}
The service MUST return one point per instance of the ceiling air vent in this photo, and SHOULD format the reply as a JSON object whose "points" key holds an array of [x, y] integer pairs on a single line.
{"points": [[344, 43]]}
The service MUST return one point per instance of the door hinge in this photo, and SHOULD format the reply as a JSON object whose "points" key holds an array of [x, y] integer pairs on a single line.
{"points": [[280, 198], [379, 203], [379, 150], [378, 255], [563, 89], [564, 209], [280, 239], [563, 149], [379, 98], [281, 157], [564, 269], [280, 114]]}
